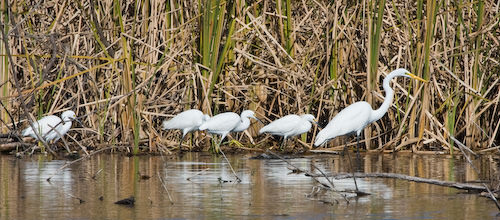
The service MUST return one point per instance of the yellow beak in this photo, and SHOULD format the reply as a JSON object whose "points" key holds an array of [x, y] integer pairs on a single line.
{"points": [[417, 78]]}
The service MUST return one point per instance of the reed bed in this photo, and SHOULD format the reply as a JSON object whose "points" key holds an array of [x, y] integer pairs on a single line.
{"points": [[125, 66]]}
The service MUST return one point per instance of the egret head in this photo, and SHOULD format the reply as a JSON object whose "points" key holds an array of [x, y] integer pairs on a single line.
{"points": [[309, 117], [404, 72], [68, 115], [320, 139], [249, 114]]}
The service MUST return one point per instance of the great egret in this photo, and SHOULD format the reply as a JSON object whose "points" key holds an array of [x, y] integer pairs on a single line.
{"points": [[187, 121], [51, 127], [355, 117], [289, 126], [226, 122]]}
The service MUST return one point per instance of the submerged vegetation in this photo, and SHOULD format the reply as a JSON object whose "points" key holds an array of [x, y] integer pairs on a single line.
{"points": [[125, 66]]}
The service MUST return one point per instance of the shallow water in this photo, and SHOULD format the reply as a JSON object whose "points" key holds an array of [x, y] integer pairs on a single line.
{"points": [[268, 189]]}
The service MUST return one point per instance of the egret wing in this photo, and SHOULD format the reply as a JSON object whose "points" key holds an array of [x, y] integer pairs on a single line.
{"points": [[282, 126], [190, 118], [43, 126], [222, 122], [350, 119]]}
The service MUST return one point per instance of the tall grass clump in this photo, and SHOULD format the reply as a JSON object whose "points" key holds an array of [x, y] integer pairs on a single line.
{"points": [[217, 22], [376, 15]]}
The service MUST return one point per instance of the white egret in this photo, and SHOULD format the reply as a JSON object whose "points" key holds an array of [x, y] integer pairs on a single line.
{"points": [[289, 126], [226, 122], [51, 127], [357, 116], [187, 121]]}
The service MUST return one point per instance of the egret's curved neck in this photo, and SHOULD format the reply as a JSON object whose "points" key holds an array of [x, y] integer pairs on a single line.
{"points": [[389, 95], [245, 122], [66, 123], [243, 125]]}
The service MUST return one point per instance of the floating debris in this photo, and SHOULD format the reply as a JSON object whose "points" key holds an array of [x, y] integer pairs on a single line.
{"points": [[128, 201]]}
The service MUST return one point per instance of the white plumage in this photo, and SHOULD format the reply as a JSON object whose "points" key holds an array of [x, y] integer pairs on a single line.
{"points": [[51, 127], [355, 117], [226, 122], [289, 126], [187, 121]]}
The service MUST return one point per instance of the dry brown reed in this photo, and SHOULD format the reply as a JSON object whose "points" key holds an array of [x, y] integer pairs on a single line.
{"points": [[125, 66]]}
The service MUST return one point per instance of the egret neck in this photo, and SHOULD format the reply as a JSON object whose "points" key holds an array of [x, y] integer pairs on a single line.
{"points": [[389, 96]]}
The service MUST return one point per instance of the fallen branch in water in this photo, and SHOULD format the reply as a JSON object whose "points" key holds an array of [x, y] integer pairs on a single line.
{"points": [[314, 176], [456, 185], [307, 173]]}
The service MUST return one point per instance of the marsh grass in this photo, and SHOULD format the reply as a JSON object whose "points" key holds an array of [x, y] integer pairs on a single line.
{"points": [[126, 66]]}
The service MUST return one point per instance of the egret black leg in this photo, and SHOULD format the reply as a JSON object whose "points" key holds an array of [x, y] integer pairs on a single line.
{"points": [[283, 143], [192, 141], [180, 143], [351, 167], [357, 147], [220, 142], [358, 158]]}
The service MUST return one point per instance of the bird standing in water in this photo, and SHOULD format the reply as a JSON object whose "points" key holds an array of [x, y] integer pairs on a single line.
{"points": [[289, 126], [226, 122], [187, 121], [357, 116]]}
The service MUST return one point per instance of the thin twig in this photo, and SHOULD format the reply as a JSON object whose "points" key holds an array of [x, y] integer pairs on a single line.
{"points": [[461, 147], [224, 155], [197, 174], [165, 187]]}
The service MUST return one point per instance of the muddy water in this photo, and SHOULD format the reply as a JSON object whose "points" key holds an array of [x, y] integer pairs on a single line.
{"points": [[195, 187]]}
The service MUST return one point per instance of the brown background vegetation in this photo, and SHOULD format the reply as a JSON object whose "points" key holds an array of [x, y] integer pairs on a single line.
{"points": [[125, 66]]}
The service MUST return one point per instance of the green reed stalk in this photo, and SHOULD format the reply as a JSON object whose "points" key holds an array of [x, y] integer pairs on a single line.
{"points": [[279, 9], [213, 20], [375, 29], [431, 13], [374, 44], [4, 76], [288, 28], [417, 59], [128, 79], [478, 41], [229, 41], [333, 67], [476, 76], [454, 91], [137, 103]]}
